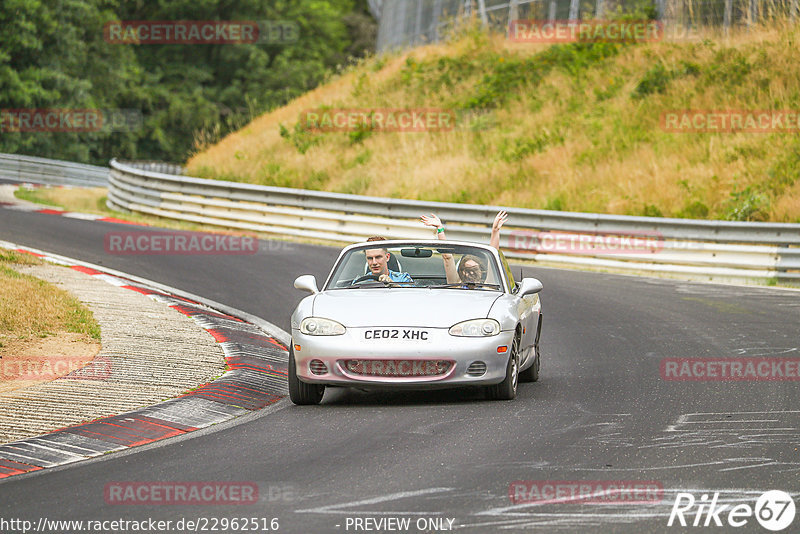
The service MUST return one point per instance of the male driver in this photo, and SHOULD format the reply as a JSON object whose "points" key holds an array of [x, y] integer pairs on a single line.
{"points": [[378, 263]]}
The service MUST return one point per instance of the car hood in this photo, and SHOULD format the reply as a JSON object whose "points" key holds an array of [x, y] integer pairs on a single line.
{"points": [[432, 308]]}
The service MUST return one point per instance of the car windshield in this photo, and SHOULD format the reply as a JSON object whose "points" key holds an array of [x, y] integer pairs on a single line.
{"points": [[414, 265]]}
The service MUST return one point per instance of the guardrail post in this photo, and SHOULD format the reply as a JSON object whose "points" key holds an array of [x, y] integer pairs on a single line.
{"points": [[513, 12], [573, 10], [726, 23], [482, 9], [752, 13], [437, 14]]}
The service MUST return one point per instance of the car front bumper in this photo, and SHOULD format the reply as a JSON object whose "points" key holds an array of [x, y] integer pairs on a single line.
{"points": [[367, 345]]}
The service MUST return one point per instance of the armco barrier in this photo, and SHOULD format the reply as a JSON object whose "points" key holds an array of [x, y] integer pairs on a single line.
{"points": [[52, 172], [696, 248]]}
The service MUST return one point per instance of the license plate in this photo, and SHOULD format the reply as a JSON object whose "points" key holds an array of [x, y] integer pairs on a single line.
{"points": [[402, 334]]}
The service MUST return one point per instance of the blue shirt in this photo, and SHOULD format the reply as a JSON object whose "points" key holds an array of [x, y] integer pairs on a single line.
{"points": [[394, 276]]}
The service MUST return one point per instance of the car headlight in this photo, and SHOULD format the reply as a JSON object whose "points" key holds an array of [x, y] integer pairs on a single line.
{"points": [[476, 328], [319, 326]]}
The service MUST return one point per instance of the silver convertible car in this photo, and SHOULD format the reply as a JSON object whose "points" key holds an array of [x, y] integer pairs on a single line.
{"points": [[416, 314]]}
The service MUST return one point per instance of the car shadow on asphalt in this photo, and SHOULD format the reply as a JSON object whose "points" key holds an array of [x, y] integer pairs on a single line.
{"points": [[342, 396]]}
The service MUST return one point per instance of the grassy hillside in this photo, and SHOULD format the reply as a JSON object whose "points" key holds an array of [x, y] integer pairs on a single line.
{"points": [[565, 127]]}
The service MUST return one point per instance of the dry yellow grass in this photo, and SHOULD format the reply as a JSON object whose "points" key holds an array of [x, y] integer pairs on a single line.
{"points": [[31, 308], [600, 147], [45, 332]]}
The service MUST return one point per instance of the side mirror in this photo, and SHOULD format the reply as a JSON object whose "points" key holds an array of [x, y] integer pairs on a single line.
{"points": [[529, 286], [306, 282]]}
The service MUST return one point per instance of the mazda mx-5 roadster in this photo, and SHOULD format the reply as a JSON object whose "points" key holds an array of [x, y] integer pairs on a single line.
{"points": [[419, 314]]}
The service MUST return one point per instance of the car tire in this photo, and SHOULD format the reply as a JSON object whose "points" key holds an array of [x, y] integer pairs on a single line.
{"points": [[507, 389], [300, 392]]}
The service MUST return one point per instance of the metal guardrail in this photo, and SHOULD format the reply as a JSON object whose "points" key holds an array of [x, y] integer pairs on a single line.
{"points": [[712, 249], [51, 172]]}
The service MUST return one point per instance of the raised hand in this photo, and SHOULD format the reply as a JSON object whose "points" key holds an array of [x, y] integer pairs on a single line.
{"points": [[431, 220], [499, 220]]}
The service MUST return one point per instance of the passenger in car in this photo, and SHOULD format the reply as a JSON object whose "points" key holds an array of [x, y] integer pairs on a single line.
{"points": [[470, 269]]}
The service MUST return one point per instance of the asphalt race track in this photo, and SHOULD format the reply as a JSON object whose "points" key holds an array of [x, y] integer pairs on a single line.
{"points": [[600, 412]]}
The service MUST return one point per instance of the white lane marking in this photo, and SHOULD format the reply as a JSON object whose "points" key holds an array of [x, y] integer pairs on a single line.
{"points": [[722, 417], [82, 216], [559, 519], [520, 517], [658, 468], [113, 280], [336, 508], [764, 462]]}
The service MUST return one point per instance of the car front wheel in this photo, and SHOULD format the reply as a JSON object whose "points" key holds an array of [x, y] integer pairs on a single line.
{"points": [[507, 389], [300, 392]]}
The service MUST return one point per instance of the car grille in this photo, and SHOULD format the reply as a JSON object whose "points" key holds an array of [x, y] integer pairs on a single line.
{"points": [[318, 367], [397, 368], [476, 369]]}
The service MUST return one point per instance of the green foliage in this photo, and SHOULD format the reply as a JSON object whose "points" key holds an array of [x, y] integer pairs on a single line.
{"points": [[301, 138], [748, 205], [654, 80], [358, 135], [506, 74], [54, 55], [785, 171], [518, 149], [657, 78], [556, 203], [31, 195], [635, 10], [360, 159], [650, 210], [315, 180], [610, 90], [81, 320], [694, 210], [729, 68]]}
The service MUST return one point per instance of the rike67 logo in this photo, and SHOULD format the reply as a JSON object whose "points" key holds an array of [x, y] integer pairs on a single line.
{"points": [[774, 510]]}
